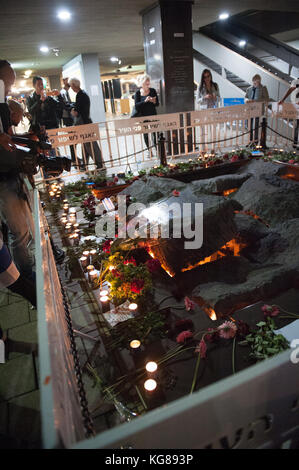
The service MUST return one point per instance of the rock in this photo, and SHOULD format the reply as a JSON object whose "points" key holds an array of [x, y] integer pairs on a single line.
{"points": [[249, 228], [152, 189], [224, 298], [272, 198], [220, 183], [218, 228]]}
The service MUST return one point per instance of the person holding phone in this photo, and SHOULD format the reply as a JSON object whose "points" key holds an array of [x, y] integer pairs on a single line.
{"points": [[146, 103]]}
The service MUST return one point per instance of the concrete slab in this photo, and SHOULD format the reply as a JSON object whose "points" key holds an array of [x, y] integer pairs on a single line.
{"points": [[17, 377], [24, 417], [13, 315], [22, 339]]}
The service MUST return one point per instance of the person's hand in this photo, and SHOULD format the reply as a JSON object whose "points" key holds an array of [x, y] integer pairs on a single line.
{"points": [[207, 97], [154, 99], [74, 113], [6, 142], [43, 96], [147, 99]]}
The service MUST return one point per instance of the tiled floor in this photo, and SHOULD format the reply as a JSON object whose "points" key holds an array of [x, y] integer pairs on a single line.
{"points": [[19, 389]]}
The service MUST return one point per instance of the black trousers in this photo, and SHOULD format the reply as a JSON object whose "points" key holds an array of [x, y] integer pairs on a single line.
{"points": [[68, 122], [254, 129]]}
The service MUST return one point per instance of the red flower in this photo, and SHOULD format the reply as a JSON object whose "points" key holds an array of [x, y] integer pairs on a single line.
{"points": [[130, 261], [106, 246], [270, 310], [213, 336], [234, 158], [201, 348], [116, 273], [175, 193], [182, 337], [226, 156], [189, 304], [153, 265], [291, 162], [137, 285], [115, 179]]}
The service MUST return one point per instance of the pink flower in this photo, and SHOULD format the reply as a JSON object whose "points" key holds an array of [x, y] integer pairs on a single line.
{"points": [[189, 304], [291, 162], [234, 158], [175, 193], [115, 179], [153, 265], [270, 310], [213, 336], [182, 337], [201, 348], [227, 330]]}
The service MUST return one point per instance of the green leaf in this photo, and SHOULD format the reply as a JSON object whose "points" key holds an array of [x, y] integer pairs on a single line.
{"points": [[261, 323]]}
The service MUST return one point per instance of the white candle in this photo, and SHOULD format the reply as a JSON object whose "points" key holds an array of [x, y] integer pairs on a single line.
{"points": [[135, 344], [151, 366], [150, 385]]}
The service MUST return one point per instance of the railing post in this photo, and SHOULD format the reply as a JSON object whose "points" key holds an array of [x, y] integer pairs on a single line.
{"points": [[263, 134], [161, 149]]}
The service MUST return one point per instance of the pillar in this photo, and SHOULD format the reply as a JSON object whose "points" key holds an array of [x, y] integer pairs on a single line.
{"points": [[86, 68], [167, 33]]}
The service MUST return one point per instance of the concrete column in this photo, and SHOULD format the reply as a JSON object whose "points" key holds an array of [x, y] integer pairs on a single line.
{"points": [[86, 67], [167, 32], [55, 82]]}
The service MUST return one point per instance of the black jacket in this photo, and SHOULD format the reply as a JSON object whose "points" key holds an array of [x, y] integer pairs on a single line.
{"points": [[44, 113], [82, 106], [145, 109]]}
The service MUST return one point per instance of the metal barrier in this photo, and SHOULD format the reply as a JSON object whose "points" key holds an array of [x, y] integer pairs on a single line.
{"points": [[61, 415], [123, 143]]}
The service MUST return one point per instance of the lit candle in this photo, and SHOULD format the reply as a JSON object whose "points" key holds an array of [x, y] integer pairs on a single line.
{"points": [[104, 298], [76, 226], [63, 220], [92, 275], [68, 228], [92, 255], [135, 344], [150, 385], [103, 293], [151, 366], [76, 239], [86, 253], [65, 201], [83, 261], [133, 306], [66, 208], [90, 268], [51, 193]]}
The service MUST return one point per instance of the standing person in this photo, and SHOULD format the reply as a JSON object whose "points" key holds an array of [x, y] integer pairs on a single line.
{"points": [[67, 118], [81, 115], [208, 95], [146, 102], [14, 210], [294, 86], [256, 92], [43, 109]]}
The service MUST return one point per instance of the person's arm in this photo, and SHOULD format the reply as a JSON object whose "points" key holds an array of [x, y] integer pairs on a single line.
{"points": [[247, 100], [138, 103], [200, 96], [289, 91], [82, 107], [157, 98], [265, 94]]}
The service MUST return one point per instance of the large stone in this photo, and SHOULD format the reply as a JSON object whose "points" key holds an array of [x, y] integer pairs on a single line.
{"points": [[152, 188], [270, 197], [220, 183], [217, 225], [249, 228], [261, 283]]}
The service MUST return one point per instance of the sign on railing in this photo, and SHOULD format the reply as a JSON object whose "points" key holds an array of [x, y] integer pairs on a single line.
{"points": [[73, 135]]}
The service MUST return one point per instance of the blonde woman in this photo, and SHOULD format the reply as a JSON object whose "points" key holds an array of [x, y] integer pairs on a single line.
{"points": [[146, 102]]}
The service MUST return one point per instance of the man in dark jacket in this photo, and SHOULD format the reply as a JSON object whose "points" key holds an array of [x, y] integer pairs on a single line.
{"points": [[43, 109], [81, 114]]}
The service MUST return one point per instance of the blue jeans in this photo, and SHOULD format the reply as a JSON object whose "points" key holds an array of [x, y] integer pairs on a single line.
{"points": [[16, 214]]}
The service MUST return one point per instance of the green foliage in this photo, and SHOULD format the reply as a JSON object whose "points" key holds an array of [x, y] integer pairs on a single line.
{"points": [[264, 343]]}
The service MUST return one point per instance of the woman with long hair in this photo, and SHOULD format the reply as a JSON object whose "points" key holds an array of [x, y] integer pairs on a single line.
{"points": [[146, 102], [208, 95]]}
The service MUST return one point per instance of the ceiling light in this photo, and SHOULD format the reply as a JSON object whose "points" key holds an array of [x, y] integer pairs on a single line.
{"points": [[27, 73], [223, 16], [114, 59], [64, 15], [44, 49], [242, 43]]}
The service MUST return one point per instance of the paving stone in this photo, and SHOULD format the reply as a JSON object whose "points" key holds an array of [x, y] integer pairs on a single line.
{"points": [[24, 417], [14, 315], [3, 417], [17, 377], [84, 315], [22, 339], [3, 297]]}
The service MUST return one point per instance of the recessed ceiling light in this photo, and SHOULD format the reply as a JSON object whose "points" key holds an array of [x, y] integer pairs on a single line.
{"points": [[44, 49], [114, 59], [242, 43], [27, 73], [64, 15], [223, 16]]}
